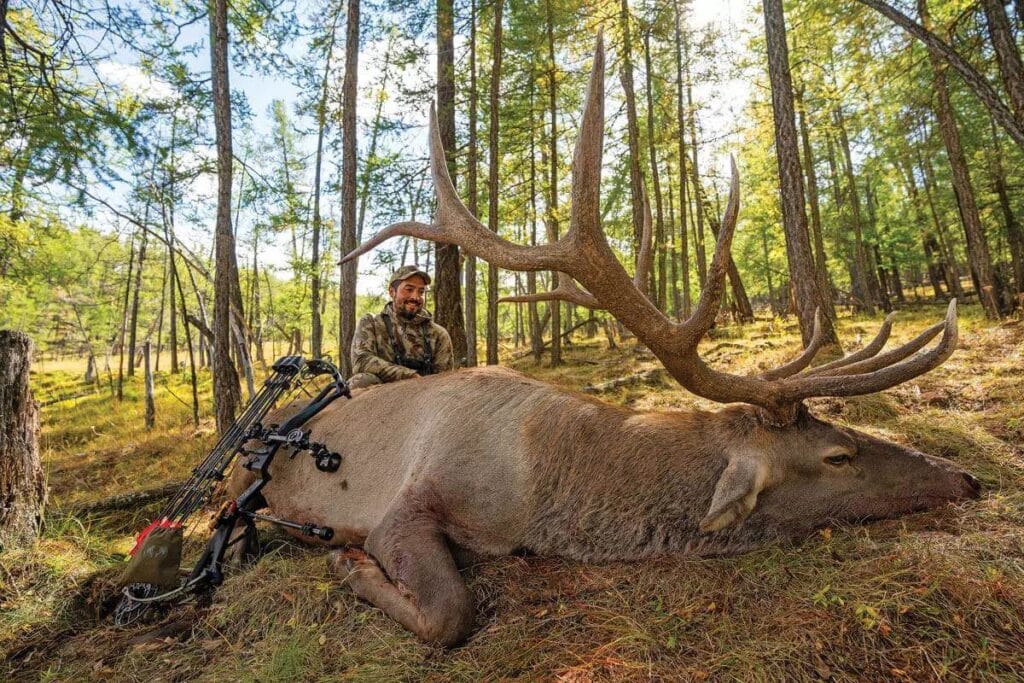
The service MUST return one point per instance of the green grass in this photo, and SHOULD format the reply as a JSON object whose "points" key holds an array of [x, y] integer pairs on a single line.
{"points": [[933, 596]]}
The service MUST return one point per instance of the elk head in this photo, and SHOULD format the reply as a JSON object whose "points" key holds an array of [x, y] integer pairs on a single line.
{"points": [[779, 463]]}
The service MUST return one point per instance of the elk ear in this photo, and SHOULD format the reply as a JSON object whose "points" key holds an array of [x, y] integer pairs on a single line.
{"points": [[735, 493]]}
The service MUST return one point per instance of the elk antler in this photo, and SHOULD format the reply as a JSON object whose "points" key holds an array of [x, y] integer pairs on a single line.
{"points": [[583, 255]]}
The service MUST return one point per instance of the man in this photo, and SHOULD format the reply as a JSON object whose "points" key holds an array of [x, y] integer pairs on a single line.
{"points": [[400, 342]]}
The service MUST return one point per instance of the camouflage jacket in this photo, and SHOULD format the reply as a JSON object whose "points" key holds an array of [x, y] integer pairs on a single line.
{"points": [[373, 352]]}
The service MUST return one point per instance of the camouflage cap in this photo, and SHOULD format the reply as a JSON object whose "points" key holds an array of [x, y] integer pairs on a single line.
{"points": [[406, 272]]}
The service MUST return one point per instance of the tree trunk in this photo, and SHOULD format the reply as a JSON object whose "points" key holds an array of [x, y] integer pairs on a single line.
{"points": [[659, 217], [977, 247], [684, 250], [124, 322], [176, 284], [820, 261], [551, 220], [745, 312], [939, 49], [798, 247], [148, 377], [950, 268], [447, 288], [226, 392], [349, 239], [883, 290], [22, 483], [633, 130], [677, 302], [492, 184], [133, 324], [1007, 55], [928, 244], [316, 335], [471, 190], [160, 318], [696, 221], [536, 336], [1014, 234], [866, 286]]}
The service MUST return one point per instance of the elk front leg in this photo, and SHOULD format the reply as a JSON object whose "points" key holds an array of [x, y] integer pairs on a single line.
{"points": [[416, 582]]}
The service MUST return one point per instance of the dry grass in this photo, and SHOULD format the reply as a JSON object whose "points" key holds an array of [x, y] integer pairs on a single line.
{"points": [[934, 596]]}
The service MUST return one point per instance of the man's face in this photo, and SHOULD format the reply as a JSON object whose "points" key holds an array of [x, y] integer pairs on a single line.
{"points": [[408, 296]]}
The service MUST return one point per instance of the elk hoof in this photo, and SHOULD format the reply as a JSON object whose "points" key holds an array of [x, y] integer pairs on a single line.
{"points": [[348, 560]]}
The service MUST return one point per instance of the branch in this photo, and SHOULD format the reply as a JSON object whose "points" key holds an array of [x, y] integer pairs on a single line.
{"points": [[975, 81]]}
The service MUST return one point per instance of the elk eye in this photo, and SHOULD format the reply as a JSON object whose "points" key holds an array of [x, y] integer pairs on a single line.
{"points": [[838, 460]]}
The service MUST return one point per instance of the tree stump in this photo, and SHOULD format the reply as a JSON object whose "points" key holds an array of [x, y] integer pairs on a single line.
{"points": [[22, 487]]}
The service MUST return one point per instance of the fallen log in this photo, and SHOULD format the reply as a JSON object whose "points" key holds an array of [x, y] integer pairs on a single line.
{"points": [[124, 501], [648, 377]]}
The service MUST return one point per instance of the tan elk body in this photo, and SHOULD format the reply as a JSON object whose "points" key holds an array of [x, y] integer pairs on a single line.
{"points": [[488, 462]]}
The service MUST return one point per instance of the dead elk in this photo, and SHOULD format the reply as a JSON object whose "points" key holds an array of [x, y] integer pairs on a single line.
{"points": [[486, 462]]}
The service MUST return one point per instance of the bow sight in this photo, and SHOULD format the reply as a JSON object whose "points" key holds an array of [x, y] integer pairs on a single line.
{"points": [[153, 574]]}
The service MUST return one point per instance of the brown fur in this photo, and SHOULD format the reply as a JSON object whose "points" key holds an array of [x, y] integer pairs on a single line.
{"points": [[487, 461]]}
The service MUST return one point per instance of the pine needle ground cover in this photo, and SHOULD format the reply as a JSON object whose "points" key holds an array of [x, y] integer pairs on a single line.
{"points": [[931, 596]]}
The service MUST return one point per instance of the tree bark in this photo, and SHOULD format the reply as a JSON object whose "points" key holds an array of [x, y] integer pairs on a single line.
{"points": [[124, 322], [471, 190], [349, 271], [551, 219], [316, 334], [133, 324], [798, 248], [942, 50], [820, 261], [494, 160], [148, 378], [684, 251], [977, 247], [950, 268], [1007, 55], [226, 391], [176, 284], [160, 318], [745, 312], [22, 484], [1014, 234], [677, 302], [447, 288], [659, 217], [694, 180], [865, 287], [536, 335], [632, 129]]}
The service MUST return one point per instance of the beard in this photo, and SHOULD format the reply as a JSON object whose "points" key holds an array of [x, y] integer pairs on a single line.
{"points": [[408, 310]]}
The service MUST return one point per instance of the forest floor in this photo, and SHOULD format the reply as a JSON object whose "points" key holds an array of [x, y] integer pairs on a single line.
{"points": [[931, 596]]}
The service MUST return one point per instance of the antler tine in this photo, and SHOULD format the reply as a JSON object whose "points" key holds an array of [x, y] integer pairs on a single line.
{"points": [[567, 290], [454, 224], [867, 352], [707, 306], [804, 359], [886, 359], [645, 259], [868, 382], [585, 219]]}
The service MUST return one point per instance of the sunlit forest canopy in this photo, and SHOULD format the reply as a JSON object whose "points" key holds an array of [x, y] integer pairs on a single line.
{"points": [[109, 179]]}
